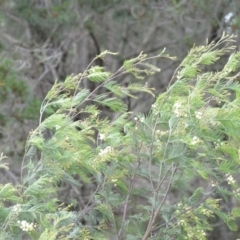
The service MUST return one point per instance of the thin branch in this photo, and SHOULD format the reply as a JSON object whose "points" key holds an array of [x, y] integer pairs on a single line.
{"points": [[156, 212], [190, 208], [129, 194]]}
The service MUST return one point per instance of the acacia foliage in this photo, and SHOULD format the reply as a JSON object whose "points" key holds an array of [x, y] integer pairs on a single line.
{"points": [[192, 130]]}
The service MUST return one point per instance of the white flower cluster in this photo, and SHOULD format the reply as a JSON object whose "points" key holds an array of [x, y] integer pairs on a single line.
{"points": [[101, 136], [141, 119], [105, 151], [237, 192], [178, 109], [154, 106], [219, 144], [161, 133], [181, 222], [57, 127], [198, 114], [16, 208], [114, 181], [195, 140], [191, 232], [214, 184], [198, 233], [230, 179], [67, 138], [27, 227], [206, 212]]}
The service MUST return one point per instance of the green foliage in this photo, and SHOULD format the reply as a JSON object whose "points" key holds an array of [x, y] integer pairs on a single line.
{"points": [[12, 91], [192, 131]]}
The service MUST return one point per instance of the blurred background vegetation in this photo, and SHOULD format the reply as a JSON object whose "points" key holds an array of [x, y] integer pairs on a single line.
{"points": [[45, 40]]}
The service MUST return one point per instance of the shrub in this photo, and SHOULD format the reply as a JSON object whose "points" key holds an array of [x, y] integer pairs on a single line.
{"points": [[135, 162]]}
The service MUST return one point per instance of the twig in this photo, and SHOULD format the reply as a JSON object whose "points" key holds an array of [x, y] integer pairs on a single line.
{"points": [[155, 213], [128, 196]]}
